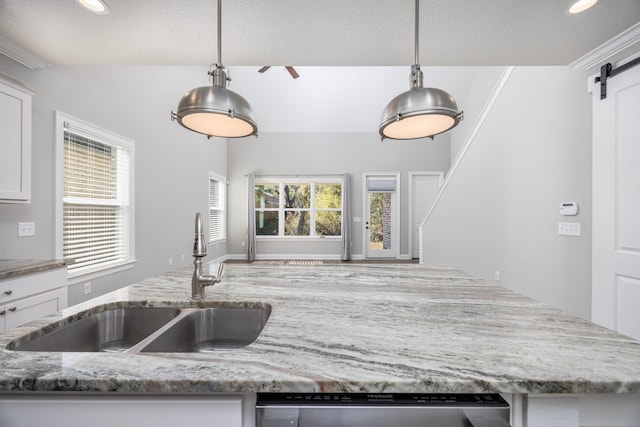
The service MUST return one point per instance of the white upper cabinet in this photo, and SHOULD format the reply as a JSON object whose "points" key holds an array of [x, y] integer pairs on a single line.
{"points": [[15, 145]]}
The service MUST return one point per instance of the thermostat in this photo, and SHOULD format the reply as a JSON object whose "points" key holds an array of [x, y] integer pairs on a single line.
{"points": [[569, 208]]}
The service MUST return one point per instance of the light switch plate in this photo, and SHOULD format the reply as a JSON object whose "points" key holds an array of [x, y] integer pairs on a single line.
{"points": [[569, 229]]}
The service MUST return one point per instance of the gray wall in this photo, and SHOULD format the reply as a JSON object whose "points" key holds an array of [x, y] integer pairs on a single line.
{"points": [[324, 153], [500, 209], [171, 170], [499, 213]]}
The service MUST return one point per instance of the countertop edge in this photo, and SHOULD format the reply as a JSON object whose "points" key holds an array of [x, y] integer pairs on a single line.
{"points": [[11, 268]]}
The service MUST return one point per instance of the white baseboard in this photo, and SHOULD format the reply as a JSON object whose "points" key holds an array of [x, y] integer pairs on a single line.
{"points": [[332, 257], [328, 257]]}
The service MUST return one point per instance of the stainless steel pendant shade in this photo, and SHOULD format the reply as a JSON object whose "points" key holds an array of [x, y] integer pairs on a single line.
{"points": [[215, 110], [419, 112]]}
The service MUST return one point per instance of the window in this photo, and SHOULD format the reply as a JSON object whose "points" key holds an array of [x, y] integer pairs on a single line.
{"points": [[298, 208], [96, 193], [217, 214]]}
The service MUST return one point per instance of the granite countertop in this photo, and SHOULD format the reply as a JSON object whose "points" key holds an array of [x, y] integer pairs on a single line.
{"points": [[19, 267], [349, 328]]}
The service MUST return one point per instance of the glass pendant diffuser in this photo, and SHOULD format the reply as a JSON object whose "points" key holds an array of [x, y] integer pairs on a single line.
{"points": [[419, 112], [215, 110]]}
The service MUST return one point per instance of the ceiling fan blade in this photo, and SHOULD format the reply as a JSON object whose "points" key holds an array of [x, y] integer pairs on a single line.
{"points": [[263, 69], [292, 71]]}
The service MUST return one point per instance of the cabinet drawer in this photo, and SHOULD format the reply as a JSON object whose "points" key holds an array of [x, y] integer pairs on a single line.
{"points": [[30, 284]]}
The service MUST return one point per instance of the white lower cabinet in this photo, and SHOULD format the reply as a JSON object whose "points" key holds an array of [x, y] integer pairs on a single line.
{"points": [[581, 410], [79, 410], [32, 297]]}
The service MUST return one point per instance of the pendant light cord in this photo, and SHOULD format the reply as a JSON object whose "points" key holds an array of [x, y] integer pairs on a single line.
{"points": [[417, 41], [220, 32]]}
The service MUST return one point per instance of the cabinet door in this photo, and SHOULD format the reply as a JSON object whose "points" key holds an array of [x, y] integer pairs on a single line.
{"points": [[106, 411], [15, 145], [25, 310]]}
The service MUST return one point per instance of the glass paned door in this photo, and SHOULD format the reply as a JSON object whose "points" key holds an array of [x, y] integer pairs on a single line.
{"points": [[380, 223]]}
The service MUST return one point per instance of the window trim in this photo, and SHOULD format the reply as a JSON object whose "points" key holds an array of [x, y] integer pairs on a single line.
{"points": [[101, 135], [222, 180], [311, 180]]}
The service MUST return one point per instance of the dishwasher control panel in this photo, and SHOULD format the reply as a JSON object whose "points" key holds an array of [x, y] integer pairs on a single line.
{"points": [[381, 409]]}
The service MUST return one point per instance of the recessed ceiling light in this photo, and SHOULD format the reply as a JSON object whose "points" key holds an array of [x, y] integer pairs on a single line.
{"points": [[581, 5], [94, 6]]}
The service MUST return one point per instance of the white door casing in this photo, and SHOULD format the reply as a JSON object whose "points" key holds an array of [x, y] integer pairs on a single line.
{"points": [[616, 204], [381, 184]]}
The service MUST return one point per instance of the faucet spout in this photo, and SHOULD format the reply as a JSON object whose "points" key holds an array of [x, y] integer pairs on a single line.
{"points": [[199, 280], [199, 247]]}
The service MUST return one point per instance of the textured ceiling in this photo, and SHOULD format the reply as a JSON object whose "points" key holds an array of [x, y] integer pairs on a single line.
{"points": [[311, 32]]}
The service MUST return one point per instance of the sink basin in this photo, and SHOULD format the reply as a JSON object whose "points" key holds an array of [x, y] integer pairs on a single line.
{"points": [[211, 329], [149, 329], [114, 330]]}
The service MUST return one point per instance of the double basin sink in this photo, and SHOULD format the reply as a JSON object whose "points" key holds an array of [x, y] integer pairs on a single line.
{"points": [[153, 329]]}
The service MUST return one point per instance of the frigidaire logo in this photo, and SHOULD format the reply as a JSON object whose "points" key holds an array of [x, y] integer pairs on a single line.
{"points": [[380, 396]]}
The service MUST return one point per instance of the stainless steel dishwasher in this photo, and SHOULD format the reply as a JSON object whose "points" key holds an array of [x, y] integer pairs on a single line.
{"points": [[380, 410]]}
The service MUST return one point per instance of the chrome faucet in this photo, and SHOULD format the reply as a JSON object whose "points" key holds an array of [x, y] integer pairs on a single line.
{"points": [[199, 279]]}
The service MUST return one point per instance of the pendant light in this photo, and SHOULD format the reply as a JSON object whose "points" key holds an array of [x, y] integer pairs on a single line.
{"points": [[420, 112], [215, 110]]}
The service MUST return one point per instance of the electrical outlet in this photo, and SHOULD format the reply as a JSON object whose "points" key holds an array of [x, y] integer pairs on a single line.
{"points": [[26, 229], [87, 288], [569, 228], [496, 275], [182, 257], [170, 261]]}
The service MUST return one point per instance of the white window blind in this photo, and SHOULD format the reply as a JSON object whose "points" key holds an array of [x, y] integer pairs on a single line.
{"points": [[217, 215], [96, 200]]}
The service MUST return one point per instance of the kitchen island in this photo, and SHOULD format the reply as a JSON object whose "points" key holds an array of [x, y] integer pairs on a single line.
{"points": [[349, 327]]}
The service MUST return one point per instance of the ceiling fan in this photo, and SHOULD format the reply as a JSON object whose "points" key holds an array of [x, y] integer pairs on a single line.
{"points": [[289, 68]]}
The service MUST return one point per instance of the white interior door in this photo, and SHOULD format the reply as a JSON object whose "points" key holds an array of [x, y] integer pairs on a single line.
{"points": [[424, 188], [616, 204], [380, 225]]}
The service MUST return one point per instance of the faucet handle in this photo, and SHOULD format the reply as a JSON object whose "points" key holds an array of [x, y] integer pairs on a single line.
{"points": [[220, 268]]}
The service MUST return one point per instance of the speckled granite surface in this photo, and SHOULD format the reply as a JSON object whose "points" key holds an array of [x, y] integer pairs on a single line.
{"points": [[350, 328], [18, 267]]}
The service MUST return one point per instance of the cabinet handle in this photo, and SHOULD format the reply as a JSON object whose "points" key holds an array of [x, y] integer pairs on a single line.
{"points": [[2, 313], [8, 292], [12, 309]]}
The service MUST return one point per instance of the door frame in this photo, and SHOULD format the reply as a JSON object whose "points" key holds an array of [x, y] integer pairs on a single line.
{"points": [[396, 211], [412, 175]]}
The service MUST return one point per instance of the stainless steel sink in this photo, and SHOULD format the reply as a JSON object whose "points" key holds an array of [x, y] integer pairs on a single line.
{"points": [[147, 329], [113, 330], [211, 329]]}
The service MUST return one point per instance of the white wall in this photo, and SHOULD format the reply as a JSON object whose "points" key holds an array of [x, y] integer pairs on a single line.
{"points": [[325, 153], [500, 209], [171, 170], [474, 98]]}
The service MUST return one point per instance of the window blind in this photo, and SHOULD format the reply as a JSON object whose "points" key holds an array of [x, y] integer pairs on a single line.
{"points": [[216, 207], [381, 184], [96, 206]]}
